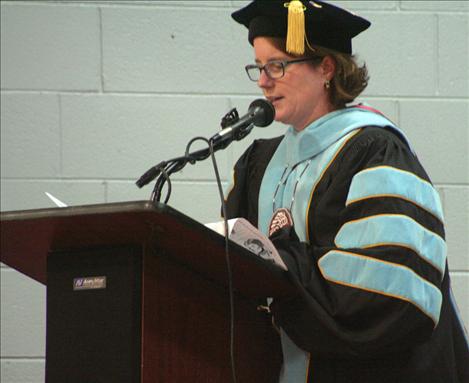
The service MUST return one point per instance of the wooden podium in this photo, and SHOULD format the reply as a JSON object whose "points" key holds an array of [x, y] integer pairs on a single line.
{"points": [[137, 292]]}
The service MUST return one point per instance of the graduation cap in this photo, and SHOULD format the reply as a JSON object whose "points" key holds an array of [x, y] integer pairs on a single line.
{"points": [[300, 21]]}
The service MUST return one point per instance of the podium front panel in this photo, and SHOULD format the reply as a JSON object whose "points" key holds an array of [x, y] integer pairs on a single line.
{"points": [[94, 316]]}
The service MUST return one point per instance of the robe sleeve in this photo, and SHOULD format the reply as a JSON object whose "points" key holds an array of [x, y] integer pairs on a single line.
{"points": [[369, 280]]}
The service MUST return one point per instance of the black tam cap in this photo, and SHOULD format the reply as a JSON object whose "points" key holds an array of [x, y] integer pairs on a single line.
{"points": [[316, 22]]}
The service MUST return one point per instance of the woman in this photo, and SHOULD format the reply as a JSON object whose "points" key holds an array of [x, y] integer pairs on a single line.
{"points": [[364, 242]]}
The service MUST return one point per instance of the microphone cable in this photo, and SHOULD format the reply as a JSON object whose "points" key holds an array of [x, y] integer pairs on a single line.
{"points": [[155, 195], [261, 113], [227, 253]]}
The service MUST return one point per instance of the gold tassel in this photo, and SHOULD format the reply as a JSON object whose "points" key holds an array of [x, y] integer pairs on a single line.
{"points": [[296, 27]]}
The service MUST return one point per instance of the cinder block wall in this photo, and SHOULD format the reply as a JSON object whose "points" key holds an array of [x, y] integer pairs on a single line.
{"points": [[93, 93]]}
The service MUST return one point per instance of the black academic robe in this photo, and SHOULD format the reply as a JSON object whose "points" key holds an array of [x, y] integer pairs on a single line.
{"points": [[355, 334]]}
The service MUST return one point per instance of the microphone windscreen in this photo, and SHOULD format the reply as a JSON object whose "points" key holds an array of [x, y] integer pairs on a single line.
{"points": [[264, 112]]}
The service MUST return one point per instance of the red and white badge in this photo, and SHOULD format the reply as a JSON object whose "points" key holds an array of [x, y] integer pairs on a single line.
{"points": [[280, 219]]}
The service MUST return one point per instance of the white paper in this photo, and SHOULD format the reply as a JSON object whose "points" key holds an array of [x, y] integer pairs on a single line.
{"points": [[58, 202], [243, 233]]}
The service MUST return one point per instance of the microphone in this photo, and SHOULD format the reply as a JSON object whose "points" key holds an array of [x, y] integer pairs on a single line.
{"points": [[260, 113]]}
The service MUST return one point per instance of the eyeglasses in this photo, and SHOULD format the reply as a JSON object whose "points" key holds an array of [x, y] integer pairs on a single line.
{"points": [[274, 69]]}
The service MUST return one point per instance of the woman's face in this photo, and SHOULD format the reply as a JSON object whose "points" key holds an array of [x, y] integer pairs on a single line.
{"points": [[299, 97]]}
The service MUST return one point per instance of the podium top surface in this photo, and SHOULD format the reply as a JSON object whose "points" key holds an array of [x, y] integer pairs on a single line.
{"points": [[28, 236]]}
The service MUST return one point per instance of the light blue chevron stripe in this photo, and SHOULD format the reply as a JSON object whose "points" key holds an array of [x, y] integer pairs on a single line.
{"points": [[398, 230], [383, 278], [389, 181]]}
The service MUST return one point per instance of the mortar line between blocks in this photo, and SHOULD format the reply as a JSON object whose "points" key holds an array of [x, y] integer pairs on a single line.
{"points": [[437, 53], [101, 49], [61, 136], [383, 97], [106, 191]]}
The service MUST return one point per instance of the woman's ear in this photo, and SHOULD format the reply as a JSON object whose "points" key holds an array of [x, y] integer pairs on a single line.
{"points": [[328, 67]]}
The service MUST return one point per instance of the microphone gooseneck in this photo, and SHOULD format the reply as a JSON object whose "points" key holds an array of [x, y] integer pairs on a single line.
{"points": [[260, 113]]}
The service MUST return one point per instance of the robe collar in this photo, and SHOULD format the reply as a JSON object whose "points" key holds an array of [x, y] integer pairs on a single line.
{"points": [[328, 129]]}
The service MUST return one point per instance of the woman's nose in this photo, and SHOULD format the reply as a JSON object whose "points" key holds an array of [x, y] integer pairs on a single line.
{"points": [[264, 80]]}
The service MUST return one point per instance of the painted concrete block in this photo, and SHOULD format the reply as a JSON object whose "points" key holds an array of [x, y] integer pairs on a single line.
{"points": [[456, 210], [30, 194], [23, 315], [439, 131], [400, 61], [198, 200], [240, 3], [23, 371], [123, 136], [30, 135], [353, 5], [192, 3], [350, 5], [162, 50], [453, 58], [460, 285], [202, 202], [390, 108], [155, 3], [50, 47], [443, 6], [123, 191]]}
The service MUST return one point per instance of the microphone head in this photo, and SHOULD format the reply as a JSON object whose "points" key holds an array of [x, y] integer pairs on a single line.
{"points": [[263, 112]]}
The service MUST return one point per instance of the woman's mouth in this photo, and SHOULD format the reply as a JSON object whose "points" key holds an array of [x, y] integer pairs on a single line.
{"points": [[274, 100]]}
